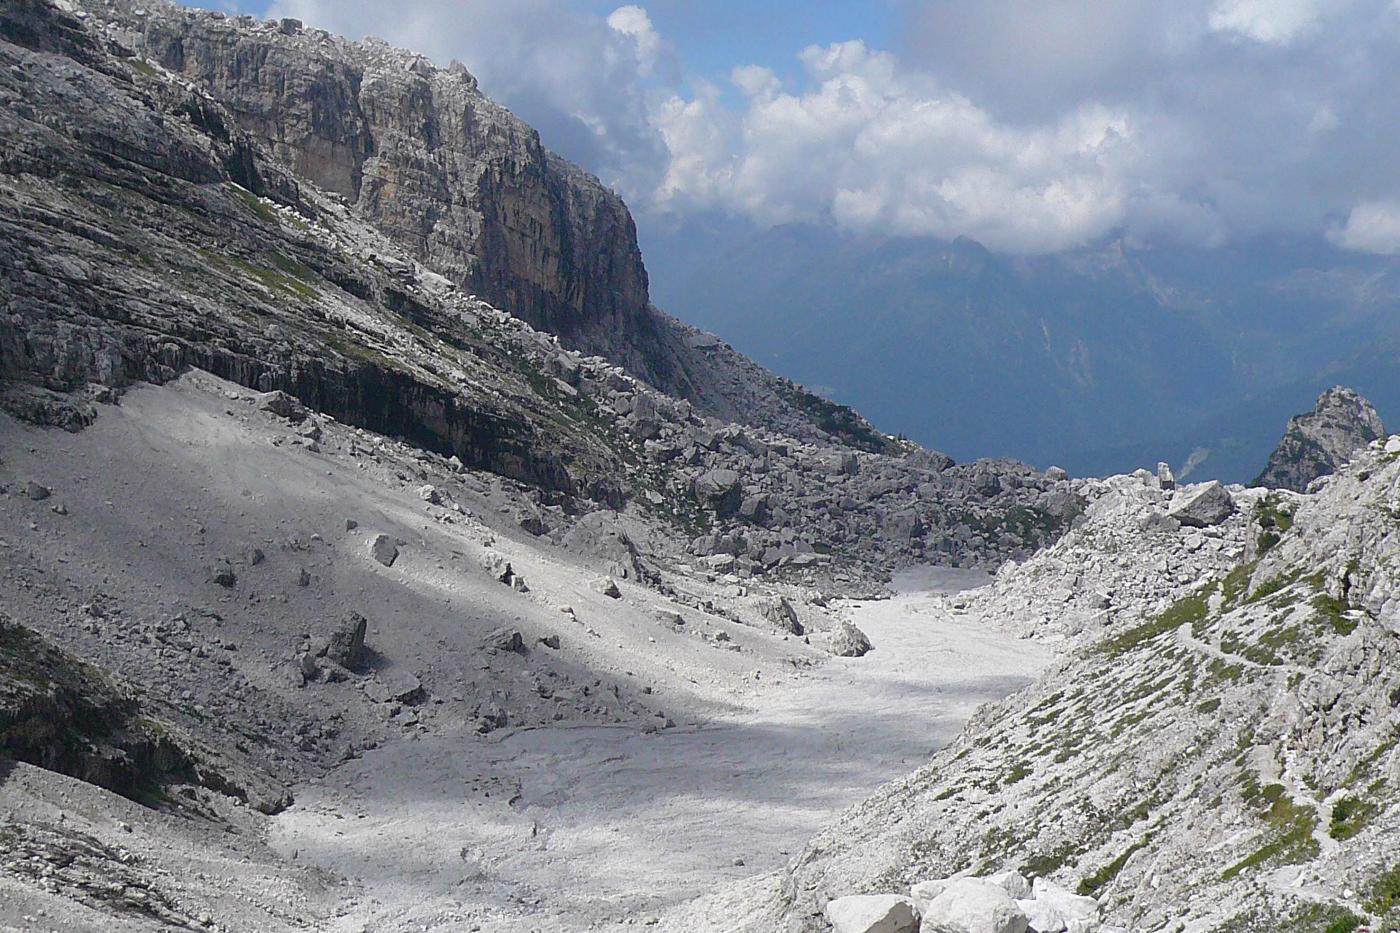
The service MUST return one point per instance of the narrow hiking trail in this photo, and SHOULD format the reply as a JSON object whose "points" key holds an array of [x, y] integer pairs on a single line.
{"points": [[568, 828]]}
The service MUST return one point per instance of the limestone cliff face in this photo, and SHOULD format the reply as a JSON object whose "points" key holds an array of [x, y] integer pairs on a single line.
{"points": [[1318, 442], [439, 167]]}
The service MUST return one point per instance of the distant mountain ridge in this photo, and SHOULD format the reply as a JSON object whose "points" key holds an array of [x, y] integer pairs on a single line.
{"points": [[1099, 359]]}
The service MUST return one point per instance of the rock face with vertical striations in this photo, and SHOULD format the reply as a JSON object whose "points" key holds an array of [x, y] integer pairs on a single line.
{"points": [[1318, 442], [433, 162]]}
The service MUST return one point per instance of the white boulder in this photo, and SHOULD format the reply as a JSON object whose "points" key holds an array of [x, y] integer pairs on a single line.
{"points": [[1042, 916], [1013, 883], [973, 905], [1072, 906], [923, 892], [873, 913]]}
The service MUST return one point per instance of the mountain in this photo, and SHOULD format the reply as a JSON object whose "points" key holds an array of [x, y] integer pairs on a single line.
{"points": [[1318, 442], [337, 595], [1100, 359]]}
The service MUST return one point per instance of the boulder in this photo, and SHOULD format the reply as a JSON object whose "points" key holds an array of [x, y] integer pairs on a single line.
{"points": [[223, 575], [506, 639], [497, 567], [1072, 906], [669, 618], [282, 405], [923, 892], [841, 462], [400, 687], [1042, 916], [720, 490], [973, 905], [601, 535], [346, 643], [608, 587], [37, 491], [384, 549], [532, 523], [873, 913], [1210, 506], [779, 611], [1013, 883], [847, 641]]}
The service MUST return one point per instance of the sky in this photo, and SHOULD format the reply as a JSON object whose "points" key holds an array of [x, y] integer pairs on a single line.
{"points": [[1032, 126]]}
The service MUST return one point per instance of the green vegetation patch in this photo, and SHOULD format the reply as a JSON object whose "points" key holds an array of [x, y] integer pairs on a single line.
{"points": [[253, 204], [835, 419], [1349, 816], [1188, 610], [1385, 891], [1094, 882], [1334, 612], [1293, 826], [1274, 517]]}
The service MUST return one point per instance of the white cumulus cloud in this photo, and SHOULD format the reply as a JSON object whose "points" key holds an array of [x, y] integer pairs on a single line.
{"points": [[633, 22], [1032, 125], [1278, 22], [1371, 227]]}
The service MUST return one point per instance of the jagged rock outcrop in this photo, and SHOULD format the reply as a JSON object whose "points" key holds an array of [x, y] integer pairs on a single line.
{"points": [[1318, 442], [67, 716], [432, 161], [468, 190]]}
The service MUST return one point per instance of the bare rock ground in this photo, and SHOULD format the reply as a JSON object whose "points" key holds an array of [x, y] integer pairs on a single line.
{"points": [[596, 827]]}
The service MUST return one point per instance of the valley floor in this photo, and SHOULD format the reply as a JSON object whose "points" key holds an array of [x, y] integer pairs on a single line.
{"points": [[645, 763], [600, 827]]}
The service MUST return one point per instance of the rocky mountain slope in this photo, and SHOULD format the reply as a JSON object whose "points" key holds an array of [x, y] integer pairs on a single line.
{"points": [[1318, 442], [460, 183], [1219, 756]]}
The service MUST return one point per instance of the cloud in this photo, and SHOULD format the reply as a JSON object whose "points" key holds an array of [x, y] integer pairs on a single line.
{"points": [[1032, 125], [1371, 227], [1278, 22], [633, 22]]}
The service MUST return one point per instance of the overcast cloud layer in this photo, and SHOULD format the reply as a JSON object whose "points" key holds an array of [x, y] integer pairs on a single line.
{"points": [[1030, 125]]}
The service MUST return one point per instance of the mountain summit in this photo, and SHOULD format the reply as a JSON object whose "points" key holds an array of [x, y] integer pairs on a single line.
{"points": [[1316, 443]]}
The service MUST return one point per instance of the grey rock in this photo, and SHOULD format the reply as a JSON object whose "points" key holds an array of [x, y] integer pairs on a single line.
{"points": [[1210, 506], [36, 491], [973, 905], [847, 641], [872, 913], [720, 490], [506, 639], [384, 549], [345, 645], [395, 687], [779, 611], [283, 405]]}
